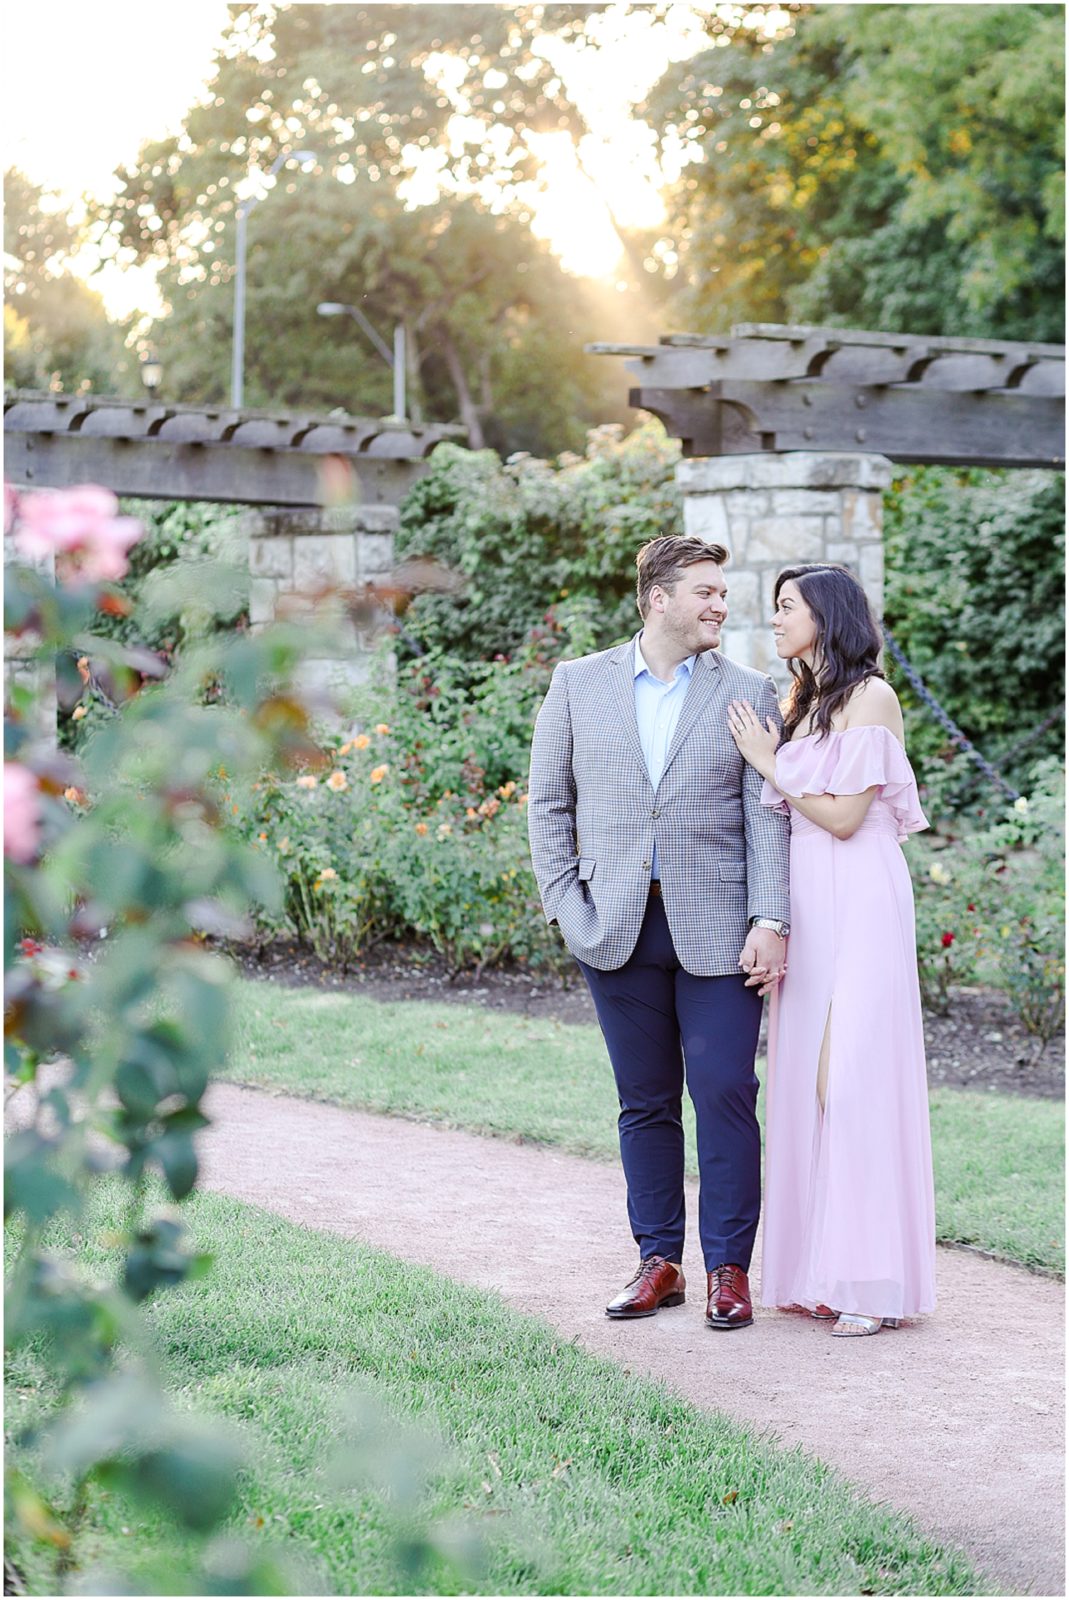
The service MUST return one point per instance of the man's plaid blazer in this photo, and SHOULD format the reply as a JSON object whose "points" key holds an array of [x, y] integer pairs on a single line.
{"points": [[593, 816]]}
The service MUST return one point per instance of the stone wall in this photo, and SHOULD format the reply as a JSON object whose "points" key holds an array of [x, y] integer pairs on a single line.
{"points": [[772, 511], [307, 563]]}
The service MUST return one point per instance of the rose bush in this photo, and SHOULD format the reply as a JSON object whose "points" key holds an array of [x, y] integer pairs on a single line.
{"points": [[115, 1013], [414, 829]]}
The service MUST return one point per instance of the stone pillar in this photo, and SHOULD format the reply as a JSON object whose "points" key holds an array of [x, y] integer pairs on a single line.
{"points": [[308, 562], [772, 511]]}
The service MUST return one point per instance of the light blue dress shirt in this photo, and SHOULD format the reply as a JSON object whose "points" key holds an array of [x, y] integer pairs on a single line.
{"points": [[657, 707]]}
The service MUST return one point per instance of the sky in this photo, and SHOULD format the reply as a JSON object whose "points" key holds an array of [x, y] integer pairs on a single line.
{"points": [[86, 82]]}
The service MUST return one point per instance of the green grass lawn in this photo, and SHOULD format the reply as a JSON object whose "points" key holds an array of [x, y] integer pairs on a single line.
{"points": [[575, 1477], [999, 1159]]}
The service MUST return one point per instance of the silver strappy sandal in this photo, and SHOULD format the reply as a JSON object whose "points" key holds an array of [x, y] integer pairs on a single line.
{"points": [[858, 1326]]}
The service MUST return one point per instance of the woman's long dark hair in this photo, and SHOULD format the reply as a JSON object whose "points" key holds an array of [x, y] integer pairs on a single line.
{"points": [[847, 649]]}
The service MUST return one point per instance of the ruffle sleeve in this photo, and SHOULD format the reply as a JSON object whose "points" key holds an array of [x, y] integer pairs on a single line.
{"points": [[847, 763]]}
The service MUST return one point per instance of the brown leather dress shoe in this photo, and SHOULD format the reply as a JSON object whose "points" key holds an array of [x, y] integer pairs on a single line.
{"points": [[657, 1283], [729, 1298]]}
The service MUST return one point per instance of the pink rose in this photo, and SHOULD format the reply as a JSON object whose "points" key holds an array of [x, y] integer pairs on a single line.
{"points": [[22, 812], [81, 527]]}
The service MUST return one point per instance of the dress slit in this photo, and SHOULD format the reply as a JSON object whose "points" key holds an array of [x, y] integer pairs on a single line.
{"points": [[825, 1045]]}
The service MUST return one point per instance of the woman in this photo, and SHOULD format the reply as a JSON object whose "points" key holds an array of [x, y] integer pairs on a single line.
{"points": [[849, 1216]]}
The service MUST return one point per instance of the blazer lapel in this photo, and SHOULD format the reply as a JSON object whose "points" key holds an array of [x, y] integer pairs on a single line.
{"points": [[705, 680], [622, 676]]}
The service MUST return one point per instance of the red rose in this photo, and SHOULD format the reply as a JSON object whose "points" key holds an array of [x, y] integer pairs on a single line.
{"points": [[970, 908], [948, 940]]}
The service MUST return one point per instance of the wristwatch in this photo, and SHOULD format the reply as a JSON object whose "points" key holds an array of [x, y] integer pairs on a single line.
{"points": [[782, 928]]}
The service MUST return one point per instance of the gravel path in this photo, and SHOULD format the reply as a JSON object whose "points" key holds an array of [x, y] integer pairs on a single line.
{"points": [[957, 1419]]}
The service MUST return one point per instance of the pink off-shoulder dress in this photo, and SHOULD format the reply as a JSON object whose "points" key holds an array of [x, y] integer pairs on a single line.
{"points": [[849, 1210]]}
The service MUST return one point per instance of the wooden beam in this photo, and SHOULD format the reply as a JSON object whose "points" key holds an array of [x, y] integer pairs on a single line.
{"points": [[157, 469], [170, 452], [933, 364], [910, 423]]}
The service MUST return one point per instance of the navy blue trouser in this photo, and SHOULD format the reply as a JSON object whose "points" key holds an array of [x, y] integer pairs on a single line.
{"points": [[658, 1022]]}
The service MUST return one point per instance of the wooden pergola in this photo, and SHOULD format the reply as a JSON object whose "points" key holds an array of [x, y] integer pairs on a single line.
{"points": [[170, 452], [765, 387]]}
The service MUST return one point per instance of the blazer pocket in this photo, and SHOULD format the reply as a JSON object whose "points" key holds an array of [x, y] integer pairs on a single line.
{"points": [[586, 868], [733, 871]]}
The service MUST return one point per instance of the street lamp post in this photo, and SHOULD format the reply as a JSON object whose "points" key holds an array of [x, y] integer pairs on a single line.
{"points": [[394, 358], [304, 158]]}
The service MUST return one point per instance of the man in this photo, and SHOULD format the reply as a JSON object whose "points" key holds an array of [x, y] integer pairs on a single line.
{"points": [[667, 876]]}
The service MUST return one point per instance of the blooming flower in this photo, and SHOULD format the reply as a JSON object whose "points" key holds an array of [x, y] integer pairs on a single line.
{"points": [[307, 781], [378, 773], [346, 747], [327, 873], [1020, 805], [337, 781], [284, 845], [79, 712], [947, 941], [938, 873], [262, 838], [22, 812], [81, 527], [421, 828], [361, 741], [382, 727], [444, 830], [507, 790]]}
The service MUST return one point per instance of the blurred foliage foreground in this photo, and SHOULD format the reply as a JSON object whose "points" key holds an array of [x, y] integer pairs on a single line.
{"points": [[118, 862]]}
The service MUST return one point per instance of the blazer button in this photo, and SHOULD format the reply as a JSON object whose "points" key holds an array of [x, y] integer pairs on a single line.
{"points": [[655, 812]]}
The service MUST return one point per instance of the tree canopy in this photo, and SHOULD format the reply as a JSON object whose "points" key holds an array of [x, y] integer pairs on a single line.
{"points": [[387, 97], [56, 331], [883, 166], [879, 166]]}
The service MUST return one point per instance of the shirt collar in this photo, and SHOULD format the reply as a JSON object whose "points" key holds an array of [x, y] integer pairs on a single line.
{"points": [[641, 665]]}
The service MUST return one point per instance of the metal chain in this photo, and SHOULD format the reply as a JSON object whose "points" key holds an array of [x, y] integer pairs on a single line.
{"points": [[960, 739]]}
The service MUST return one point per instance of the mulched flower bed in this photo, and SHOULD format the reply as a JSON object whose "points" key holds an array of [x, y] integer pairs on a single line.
{"points": [[979, 1044]]}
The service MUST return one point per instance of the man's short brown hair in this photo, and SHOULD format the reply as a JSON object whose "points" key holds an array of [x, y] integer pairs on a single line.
{"points": [[662, 562]]}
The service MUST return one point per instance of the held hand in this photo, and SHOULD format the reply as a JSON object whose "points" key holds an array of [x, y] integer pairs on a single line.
{"points": [[756, 745], [763, 959]]}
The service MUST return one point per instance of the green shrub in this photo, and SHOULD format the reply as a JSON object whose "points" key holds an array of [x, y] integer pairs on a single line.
{"points": [[528, 534], [991, 908], [974, 584]]}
